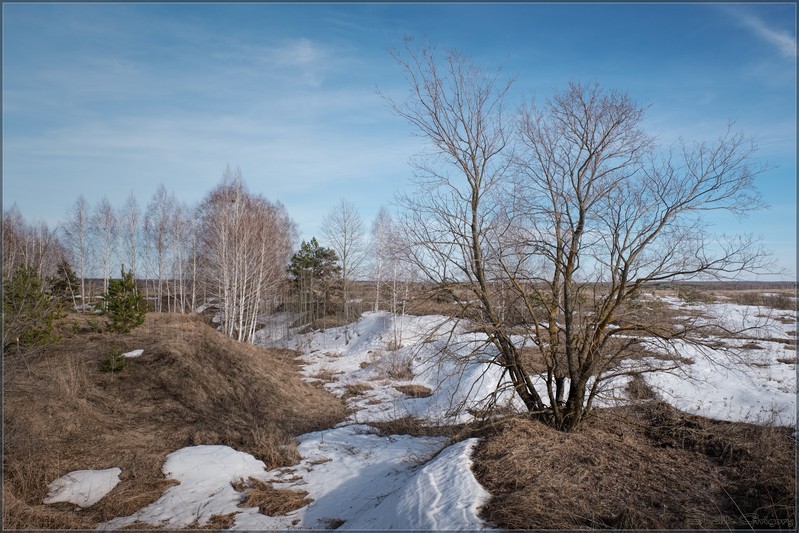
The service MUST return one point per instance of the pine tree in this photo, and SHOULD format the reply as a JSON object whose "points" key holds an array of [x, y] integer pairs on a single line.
{"points": [[65, 285], [313, 269], [124, 304], [28, 312]]}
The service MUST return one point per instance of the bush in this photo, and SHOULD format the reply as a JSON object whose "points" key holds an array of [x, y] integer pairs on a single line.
{"points": [[693, 295], [116, 362], [124, 304]]}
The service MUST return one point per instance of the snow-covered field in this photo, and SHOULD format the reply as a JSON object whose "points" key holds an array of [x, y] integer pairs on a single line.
{"points": [[756, 382], [358, 479]]}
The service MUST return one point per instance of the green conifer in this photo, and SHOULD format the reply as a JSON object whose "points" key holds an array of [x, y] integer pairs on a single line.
{"points": [[124, 304], [28, 312]]}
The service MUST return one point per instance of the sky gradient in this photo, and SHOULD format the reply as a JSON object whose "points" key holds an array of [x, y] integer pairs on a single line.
{"points": [[105, 99]]}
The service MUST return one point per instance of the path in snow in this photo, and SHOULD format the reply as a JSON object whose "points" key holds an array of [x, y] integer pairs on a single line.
{"points": [[356, 478]]}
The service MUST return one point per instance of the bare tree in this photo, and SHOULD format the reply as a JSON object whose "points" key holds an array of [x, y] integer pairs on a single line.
{"points": [[459, 108], [76, 232], [605, 214], [183, 268], [557, 240], [380, 250], [103, 226], [344, 231], [159, 237], [30, 245], [129, 228], [246, 244]]}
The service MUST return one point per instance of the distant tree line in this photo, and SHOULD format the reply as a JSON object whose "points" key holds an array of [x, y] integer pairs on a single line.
{"points": [[233, 252]]}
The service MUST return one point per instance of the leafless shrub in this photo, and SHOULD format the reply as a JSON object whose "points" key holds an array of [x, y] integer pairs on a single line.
{"points": [[774, 300], [392, 364]]}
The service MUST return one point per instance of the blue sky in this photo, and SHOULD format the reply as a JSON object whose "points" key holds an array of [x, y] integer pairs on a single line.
{"points": [[105, 99]]}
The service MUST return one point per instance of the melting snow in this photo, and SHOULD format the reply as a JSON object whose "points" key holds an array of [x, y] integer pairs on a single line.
{"points": [[206, 474], [84, 488]]}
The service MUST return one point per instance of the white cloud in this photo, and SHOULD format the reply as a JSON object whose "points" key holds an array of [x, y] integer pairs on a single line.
{"points": [[301, 53], [784, 42]]}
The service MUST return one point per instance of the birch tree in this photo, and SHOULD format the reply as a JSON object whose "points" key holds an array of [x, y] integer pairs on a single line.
{"points": [[76, 233], [103, 226], [380, 250], [159, 238], [246, 245], [344, 232], [129, 230]]}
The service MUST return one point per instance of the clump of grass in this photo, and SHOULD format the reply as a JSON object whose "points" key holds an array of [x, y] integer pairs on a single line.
{"points": [[355, 389], [269, 500], [638, 389], [217, 522], [414, 391]]}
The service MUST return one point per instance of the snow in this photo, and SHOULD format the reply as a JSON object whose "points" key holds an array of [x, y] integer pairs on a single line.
{"points": [[441, 494], [84, 488], [434, 351], [358, 479], [753, 382], [347, 471], [133, 353], [206, 474], [355, 478], [751, 387]]}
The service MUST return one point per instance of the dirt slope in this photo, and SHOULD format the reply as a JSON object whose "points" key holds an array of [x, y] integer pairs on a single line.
{"points": [[191, 386], [642, 467]]}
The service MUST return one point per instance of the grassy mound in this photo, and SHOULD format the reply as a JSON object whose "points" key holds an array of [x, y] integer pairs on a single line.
{"points": [[191, 386], [643, 467]]}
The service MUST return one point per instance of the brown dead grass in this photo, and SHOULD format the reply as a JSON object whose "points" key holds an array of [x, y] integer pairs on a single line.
{"points": [[269, 500], [642, 467], [356, 389], [414, 391], [191, 386]]}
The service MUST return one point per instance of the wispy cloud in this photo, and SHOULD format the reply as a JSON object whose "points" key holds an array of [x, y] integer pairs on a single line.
{"points": [[783, 41]]}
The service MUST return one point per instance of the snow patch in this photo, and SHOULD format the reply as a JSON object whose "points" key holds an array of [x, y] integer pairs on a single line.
{"points": [[133, 353], [442, 494], [205, 474], [84, 488]]}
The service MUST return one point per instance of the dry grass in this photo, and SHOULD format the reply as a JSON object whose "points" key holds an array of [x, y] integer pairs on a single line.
{"points": [[417, 427], [776, 299], [638, 389], [414, 391], [355, 389], [269, 500], [642, 467], [192, 386]]}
